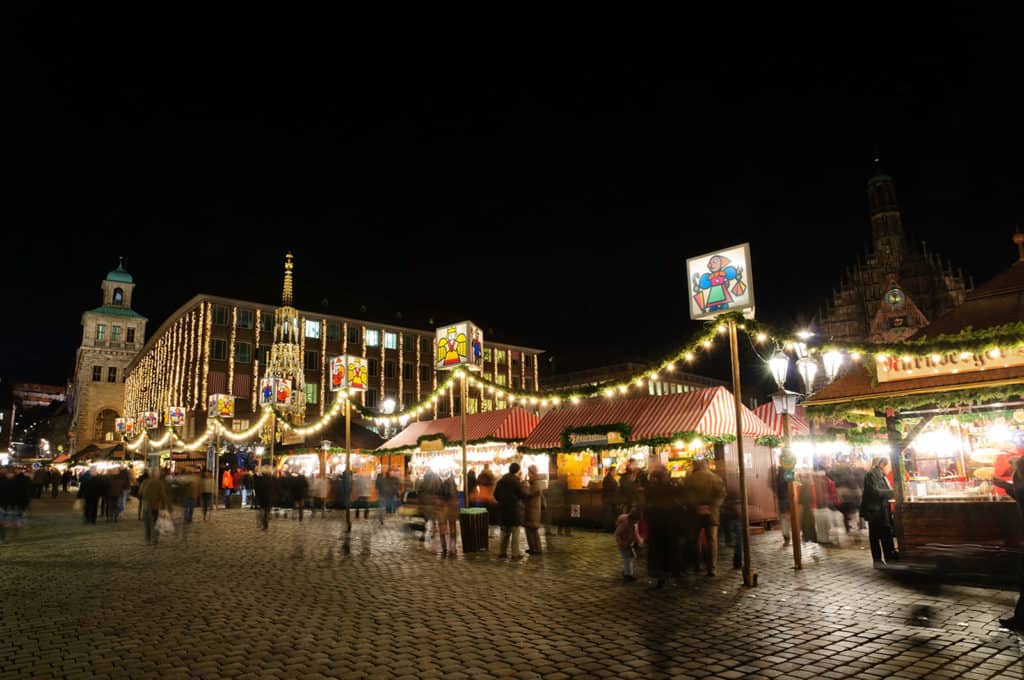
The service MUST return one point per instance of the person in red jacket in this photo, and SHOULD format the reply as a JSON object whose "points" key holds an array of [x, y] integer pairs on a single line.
{"points": [[227, 484]]}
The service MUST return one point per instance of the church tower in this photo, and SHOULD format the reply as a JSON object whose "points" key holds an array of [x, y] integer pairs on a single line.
{"points": [[112, 334], [924, 278]]}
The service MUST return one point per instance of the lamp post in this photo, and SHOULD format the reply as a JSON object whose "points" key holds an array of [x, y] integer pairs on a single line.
{"points": [[785, 405]]}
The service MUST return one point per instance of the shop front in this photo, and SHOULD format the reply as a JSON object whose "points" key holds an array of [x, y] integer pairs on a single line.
{"points": [[586, 440], [950, 400], [492, 440]]}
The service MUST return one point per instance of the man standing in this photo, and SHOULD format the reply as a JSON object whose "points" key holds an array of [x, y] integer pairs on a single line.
{"points": [[874, 507], [1015, 489], [534, 503], [705, 492], [510, 495]]}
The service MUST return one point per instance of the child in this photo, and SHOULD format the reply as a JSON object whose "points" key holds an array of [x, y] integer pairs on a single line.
{"points": [[625, 536]]}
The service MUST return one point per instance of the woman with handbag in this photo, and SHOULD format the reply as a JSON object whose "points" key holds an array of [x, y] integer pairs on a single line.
{"points": [[154, 497]]}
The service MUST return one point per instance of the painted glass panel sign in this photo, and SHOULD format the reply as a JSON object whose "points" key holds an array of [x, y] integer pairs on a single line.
{"points": [[459, 344], [149, 419], [720, 282], [176, 415], [222, 405], [337, 373], [266, 391], [283, 390], [356, 373], [124, 426]]}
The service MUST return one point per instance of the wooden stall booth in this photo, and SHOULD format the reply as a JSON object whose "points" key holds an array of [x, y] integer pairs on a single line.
{"points": [[950, 398], [586, 439]]}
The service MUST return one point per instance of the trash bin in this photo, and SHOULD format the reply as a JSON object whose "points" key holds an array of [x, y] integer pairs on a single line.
{"points": [[473, 526]]}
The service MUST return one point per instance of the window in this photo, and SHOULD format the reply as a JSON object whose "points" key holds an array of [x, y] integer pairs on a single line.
{"points": [[529, 383], [115, 334], [472, 406], [487, 353], [371, 398], [239, 425], [112, 374], [373, 368], [500, 404], [243, 352], [267, 322], [425, 373], [353, 336], [312, 392], [408, 399], [311, 362], [501, 355], [425, 345], [406, 371], [312, 329], [390, 340], [526, 360], [129, 335], [390, 369], [220, 315], [97, 373], [244, 320], [101, 332], [515, 382], [501, 379], [118, 298], [264, 354], [219, 349], [486, 405], [372, 338], [515, 362], [333, 330]]}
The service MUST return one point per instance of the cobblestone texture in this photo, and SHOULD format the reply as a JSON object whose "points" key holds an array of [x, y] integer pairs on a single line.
{"points": [[229, 600]]}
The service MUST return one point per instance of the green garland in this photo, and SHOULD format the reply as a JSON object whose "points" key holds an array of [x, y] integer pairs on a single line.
{"points": [[968, 340], [769, 440], [966, 397]]}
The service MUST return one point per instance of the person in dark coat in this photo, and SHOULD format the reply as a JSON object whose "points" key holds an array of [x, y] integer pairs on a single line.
{"points": [[1015, 489], [664, 530], [91, 489], [782, 495], [263, 487], [609, 500], [874, 507], [511, 496]]}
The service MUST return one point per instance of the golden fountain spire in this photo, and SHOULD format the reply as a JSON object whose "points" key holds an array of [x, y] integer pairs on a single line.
{"points": [[286, 294]]}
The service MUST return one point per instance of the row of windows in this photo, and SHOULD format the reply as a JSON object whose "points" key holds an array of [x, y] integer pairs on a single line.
{"points": [[115, 333], [374, 337], [97, 374]]}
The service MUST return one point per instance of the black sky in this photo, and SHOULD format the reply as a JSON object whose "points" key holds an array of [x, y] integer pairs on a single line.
{"points": [[551, 196]]}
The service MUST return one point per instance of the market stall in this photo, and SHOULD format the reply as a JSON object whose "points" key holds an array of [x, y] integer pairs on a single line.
{"points": [[586, 439], [492, 440], [950, 400]]}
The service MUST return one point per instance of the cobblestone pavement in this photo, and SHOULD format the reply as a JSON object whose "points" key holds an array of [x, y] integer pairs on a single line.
{"points": [[229, 600]]}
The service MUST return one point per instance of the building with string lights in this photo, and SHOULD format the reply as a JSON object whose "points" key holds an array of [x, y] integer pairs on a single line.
{"points": [[217, 345]]}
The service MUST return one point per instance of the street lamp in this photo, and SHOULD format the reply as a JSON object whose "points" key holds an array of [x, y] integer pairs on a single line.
{"points": [[785, 405]]}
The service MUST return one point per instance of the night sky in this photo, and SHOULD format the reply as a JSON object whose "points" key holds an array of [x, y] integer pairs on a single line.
{"points": [[552, 198]]}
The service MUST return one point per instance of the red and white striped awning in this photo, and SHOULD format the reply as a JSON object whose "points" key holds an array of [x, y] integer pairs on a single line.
{"points": [[710, 412], [797, 424], [509, 425]]}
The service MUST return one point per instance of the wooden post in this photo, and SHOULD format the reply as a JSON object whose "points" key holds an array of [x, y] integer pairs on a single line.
{"points": [[749, 575], [896, 465], [464, 397], [794, 501], [348, 466]]}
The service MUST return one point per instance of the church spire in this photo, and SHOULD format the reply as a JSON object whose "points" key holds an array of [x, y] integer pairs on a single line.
{"points": [[286, 294], [886, 222]]}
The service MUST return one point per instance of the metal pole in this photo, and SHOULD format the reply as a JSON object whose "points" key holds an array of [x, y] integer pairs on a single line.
{"points": [[749, 575], [794, 500], [348, 466], [273, 436], [465, 481]]}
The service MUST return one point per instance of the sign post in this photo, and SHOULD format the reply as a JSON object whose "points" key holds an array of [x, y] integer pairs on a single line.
{"points": [[720, 283], [460, 346], [348, 375]]}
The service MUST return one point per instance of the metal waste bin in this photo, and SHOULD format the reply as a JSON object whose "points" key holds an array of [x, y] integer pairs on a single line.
{"points": [[473, 526]]}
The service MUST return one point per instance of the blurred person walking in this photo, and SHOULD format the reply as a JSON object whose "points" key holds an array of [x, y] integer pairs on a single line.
{"points": [[534, 488], [626, 537], [705, 492], [1015, 489], [609, 500], [208, 488], [510, 495], [874, 507], [447, 513], [154, 497], [264, 487]]}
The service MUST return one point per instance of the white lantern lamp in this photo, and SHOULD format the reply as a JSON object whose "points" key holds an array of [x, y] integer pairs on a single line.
{"points": [[785, 402], [808, 370], [779, 366], [833, 361]]}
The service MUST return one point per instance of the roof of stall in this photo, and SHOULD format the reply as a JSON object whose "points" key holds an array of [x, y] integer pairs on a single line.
{"points": [[509, 425], [710, 412], [797, 423]]}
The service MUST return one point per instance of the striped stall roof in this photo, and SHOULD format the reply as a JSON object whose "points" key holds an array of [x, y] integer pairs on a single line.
{"points": [[797, 424], [510, 425], [710, 412]]}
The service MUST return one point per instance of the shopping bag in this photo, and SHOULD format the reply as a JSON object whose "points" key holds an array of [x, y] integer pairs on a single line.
{"points": [[164, 523], [78, 505]]}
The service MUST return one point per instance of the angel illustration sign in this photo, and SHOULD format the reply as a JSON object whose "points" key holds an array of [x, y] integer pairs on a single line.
{"points": [[357, 373], [222, 405], [459, 344], [720, 282]]}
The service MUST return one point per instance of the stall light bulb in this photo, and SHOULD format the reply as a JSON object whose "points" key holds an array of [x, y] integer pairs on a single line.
{"points": [[622, 389], [993, 353], [707, 344], [609, 392], [672, 367], [965, 355], [762, 337], [574, 400], [906, 358], [556, 401], [721, 328]]}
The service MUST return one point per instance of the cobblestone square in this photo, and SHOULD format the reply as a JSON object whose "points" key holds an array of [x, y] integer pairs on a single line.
{"points": [[229, 600]]}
